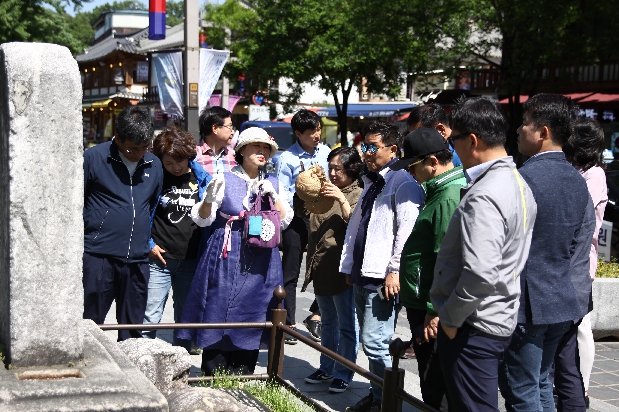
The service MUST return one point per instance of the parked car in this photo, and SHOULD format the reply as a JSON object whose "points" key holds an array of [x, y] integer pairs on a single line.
{"points": [[281, 132]]}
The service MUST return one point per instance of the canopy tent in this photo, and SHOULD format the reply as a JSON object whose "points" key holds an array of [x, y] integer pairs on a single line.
{"points": [[368, 109]]}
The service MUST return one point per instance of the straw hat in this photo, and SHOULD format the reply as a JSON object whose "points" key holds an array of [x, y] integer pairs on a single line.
{"points": [[308, 187], [256, 135]]}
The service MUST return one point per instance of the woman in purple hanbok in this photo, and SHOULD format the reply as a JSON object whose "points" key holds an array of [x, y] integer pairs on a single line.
{"points": [[234, 282]]}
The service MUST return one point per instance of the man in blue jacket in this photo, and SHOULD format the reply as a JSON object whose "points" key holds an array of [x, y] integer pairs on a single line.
{"points": [[122, 182], [555, 283]]}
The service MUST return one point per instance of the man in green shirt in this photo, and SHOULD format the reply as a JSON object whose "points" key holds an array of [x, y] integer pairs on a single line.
{"points": [[427, 157]]}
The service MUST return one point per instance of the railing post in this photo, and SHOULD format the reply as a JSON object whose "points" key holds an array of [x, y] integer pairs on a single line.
{"points": [[276, 348], [393, 378]]}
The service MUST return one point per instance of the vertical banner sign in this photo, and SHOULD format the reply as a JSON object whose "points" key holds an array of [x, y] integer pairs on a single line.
{"points": [[604, 238], [212, 63], [169, 72], [156, 19]]}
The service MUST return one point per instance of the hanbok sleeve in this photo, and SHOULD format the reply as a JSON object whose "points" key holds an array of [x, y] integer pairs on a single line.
{"points": [[202, 222]]}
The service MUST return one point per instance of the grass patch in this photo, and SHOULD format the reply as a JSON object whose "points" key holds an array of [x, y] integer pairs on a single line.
{"points": [[270, 393], [608, 269]]}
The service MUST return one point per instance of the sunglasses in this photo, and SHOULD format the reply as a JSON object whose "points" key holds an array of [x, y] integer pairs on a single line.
{"points": [[451, 139], [372, 148]]}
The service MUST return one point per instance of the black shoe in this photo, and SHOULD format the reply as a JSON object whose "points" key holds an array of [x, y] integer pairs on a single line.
{"points": [[318, 377], [363, 405], [338, 386], [314, 328], [291, 340]]}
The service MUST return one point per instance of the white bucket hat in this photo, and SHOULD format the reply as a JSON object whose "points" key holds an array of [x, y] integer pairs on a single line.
{"points": [[256, 135]]}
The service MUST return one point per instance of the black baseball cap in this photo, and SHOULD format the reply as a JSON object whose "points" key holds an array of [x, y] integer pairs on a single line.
{"points": [[419, 143]]}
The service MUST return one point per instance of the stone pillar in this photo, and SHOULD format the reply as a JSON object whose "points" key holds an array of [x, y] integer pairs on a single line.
{"points": [[41, 201]]}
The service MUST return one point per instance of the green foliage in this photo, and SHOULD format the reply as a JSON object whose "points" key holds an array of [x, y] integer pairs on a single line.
{"points": [[175, 12], [275, 397], [534, 34], [335, 44], [608, 269]]}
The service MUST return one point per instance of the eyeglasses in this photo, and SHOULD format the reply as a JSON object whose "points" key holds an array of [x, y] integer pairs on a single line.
{"points": [[451, 139], [336, 170], [136, 151], [372, 148], [229, 126]]}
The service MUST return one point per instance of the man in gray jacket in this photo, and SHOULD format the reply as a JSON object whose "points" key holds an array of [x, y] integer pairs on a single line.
{"points": [[476, 287]]}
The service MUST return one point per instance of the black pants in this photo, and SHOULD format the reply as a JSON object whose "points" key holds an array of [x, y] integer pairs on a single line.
{"points": [[294, 241], [569, 387], [470, 364], [432, 384], [106, 280], [235, 362]]}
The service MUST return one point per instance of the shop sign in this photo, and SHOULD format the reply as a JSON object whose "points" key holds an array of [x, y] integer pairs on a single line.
{"points": [[193, 94], [142, 72], [608, 115]]}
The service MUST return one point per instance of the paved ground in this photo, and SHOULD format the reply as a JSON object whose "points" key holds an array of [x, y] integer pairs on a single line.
{"points": [[301, 360]]}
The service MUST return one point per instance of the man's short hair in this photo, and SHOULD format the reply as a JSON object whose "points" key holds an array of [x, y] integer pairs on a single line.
{"points": [[304, 120], [430, 115], [444, 157], [480, 116], [134, 124], [212, 116], [554, 111], [389, 133]]}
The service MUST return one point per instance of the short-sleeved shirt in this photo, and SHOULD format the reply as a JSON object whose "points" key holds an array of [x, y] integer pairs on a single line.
{"points": [[173, 229], [215, 163]]}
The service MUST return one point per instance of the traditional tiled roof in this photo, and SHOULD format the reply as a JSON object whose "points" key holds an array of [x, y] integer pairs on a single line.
{"points": [[175, 37], [127, 43]]}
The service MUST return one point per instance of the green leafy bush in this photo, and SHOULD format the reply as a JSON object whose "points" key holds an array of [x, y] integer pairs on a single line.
{"points": [[608, 269]]}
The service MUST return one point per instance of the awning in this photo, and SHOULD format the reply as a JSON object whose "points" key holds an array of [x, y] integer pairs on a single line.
{"points": [[588, 97], [85, 105], [368, 109], [101, 103]]}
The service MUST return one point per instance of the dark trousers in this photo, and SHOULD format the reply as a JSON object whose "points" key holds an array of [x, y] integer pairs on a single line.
{"points": [[234, 362], [314, 308], [470, 364], [569, 387], [294, 241], [432, 384], [106, 280]]}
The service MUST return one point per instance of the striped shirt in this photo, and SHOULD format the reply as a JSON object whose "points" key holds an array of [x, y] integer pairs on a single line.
{"points": [[212, 163]]}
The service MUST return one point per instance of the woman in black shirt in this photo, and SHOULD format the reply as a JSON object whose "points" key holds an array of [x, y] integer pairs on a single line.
{"points": [[175, 238]]}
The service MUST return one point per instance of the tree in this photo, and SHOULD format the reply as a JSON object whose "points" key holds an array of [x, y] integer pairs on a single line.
{"points": [[333, 44], [175, 12], [534, 35], [37, 21]]}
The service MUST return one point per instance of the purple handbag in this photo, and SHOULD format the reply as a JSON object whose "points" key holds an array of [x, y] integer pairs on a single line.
{"points": [[262, 227]]}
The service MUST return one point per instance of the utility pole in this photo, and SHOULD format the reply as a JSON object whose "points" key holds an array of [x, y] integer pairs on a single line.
{"points": [[191, 67]]}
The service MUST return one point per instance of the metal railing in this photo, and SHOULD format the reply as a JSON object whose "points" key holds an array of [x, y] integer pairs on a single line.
{"points": [[392, 382]]}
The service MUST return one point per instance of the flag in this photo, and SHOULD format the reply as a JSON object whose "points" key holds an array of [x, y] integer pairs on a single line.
{"points": [[212, 63], [169, 72]]}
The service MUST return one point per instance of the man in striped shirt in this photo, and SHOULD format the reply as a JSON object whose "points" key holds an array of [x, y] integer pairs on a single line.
{"points": [[216, 131]]}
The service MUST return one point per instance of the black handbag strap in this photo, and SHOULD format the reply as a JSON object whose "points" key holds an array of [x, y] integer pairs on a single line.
{"points": [[257, 207]]}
